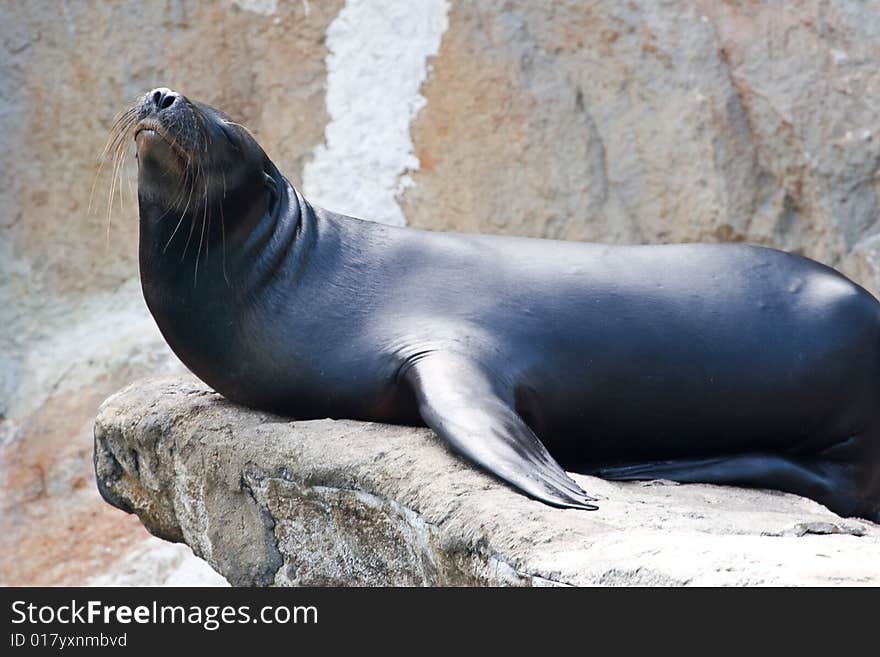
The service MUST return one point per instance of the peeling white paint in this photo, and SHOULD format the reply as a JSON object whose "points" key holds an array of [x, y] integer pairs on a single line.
{"points": [[377, 60], [264, 7]]}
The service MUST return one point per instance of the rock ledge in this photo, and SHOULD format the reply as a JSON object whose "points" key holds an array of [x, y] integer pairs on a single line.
{"points": [[269, 501]]}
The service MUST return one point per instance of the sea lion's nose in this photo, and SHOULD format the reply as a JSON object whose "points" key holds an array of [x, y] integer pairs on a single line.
{"points": [[163, 98]]}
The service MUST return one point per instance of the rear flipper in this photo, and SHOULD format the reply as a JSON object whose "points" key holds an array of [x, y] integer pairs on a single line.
{"points": [[829, 483]]}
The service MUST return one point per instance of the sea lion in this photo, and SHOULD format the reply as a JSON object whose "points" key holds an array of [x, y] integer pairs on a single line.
{"points": [[728, 364]]}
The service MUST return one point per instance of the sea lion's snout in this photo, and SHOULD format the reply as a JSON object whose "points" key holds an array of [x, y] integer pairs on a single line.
{"points": [[162, 98], [192, 157], [158, 149], [159, 109]]}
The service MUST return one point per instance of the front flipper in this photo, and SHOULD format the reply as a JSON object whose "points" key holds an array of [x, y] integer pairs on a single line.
{"points": [[471, 412]]}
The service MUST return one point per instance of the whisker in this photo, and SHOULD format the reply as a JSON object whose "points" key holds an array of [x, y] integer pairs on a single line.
{"points": [[177, 201], [208, 241], [131, 194], [223, 240], [120, 172], [121, 126], [180, 221], [114, 152], [110, 199], [192, 224], [116, 130], [201, 235]]}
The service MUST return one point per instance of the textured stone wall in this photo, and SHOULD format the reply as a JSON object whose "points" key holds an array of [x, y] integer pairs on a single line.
{"points": [[638, 121], [657, 122]]}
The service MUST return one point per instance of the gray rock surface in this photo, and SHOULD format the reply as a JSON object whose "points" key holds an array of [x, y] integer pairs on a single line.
{"points": [[269, 501]]}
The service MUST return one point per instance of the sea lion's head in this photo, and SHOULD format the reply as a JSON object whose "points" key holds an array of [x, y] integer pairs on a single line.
{"points": [[202, 178], [191, 155]]}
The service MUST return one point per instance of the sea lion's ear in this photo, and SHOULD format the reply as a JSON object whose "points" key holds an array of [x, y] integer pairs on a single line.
{"points": [[460, 402], [269, 182]]}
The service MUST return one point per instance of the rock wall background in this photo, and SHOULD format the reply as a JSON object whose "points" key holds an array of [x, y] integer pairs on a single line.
{"points": [[611, 121]]}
